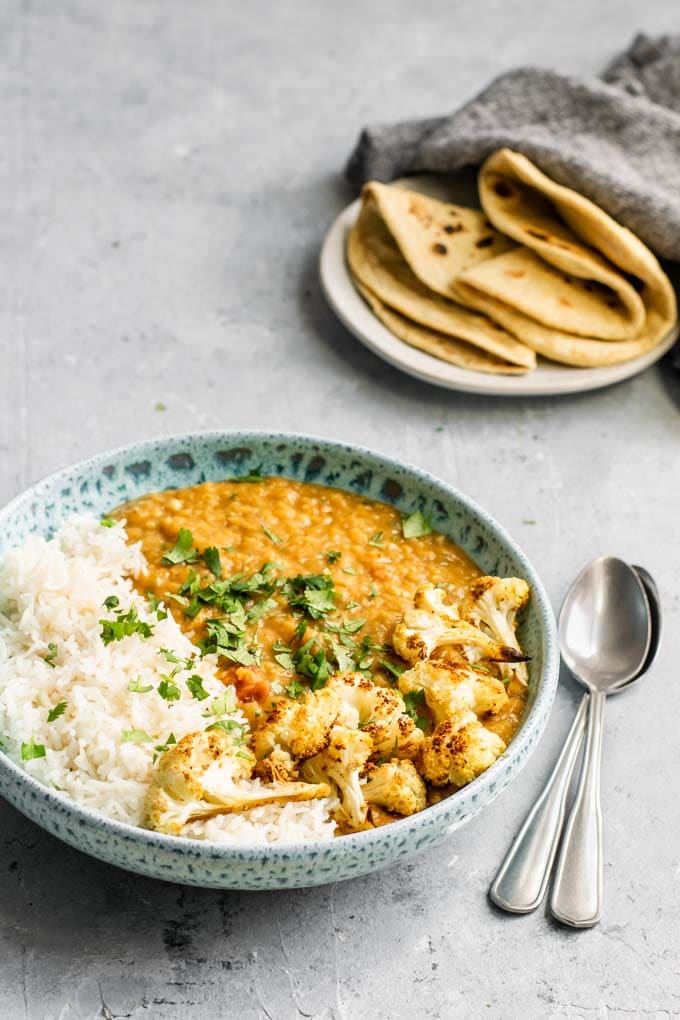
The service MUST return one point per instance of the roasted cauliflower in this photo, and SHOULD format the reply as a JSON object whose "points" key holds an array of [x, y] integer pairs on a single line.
{"points": [[492, 604], [396, 786], [452, 689], [341, 764], [207, 774], [299, 728], [458, 754], [379, 712]]}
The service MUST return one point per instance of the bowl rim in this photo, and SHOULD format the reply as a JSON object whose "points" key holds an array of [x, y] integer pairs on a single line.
{"points": [[436, 815]]}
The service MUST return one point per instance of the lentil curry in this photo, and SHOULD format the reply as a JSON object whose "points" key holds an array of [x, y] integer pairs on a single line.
{"points": [[292, 583]]}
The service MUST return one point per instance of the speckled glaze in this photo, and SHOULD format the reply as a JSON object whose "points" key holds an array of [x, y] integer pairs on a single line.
{"points": [[103, 482]]}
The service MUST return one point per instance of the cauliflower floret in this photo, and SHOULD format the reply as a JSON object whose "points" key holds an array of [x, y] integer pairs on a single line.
{"points": [[300, 727], [492, 604], [420, 633], [379, 712], [342, 763], [451, 689], [206, 774], [458, 754], [396, 786]]}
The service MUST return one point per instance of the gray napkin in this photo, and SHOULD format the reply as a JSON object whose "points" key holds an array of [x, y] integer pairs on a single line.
{"points": [[615, 139]]}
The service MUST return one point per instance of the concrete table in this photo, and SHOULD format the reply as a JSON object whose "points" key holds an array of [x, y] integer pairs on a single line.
{"points": [[168, 171]]}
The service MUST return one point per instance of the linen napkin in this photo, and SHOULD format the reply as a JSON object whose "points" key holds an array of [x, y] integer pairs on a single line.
{"points": [[614, 139]]}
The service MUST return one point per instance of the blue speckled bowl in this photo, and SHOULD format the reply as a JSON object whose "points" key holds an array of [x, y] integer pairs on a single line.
{"points": [[105, 481]]}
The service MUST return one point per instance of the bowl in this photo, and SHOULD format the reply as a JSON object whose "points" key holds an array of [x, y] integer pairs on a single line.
{"points": [[104, 481]]}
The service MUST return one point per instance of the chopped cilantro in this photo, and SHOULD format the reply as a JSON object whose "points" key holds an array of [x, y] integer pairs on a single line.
{"points": [[226, 725], [211, 558], [223, 704], [311, 661], [349, 570], [31, 750], [51, 654], [254, 476], [58, 710], [112, 602], [257, 611], [271, 536], [393, 668], [416, 525], [169, 656], [295, 689], [183, 550], [168, 690], [160, 406], [284, 656], [414, 700], [135, 737], [195, 685], [123, 626], [154, 605], [373, 591], [107, 522], [352, 626], [333, 556], [163, 747], [137, 687], [314, 593], [377, 538]]}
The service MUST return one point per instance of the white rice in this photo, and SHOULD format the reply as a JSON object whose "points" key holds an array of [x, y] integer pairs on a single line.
{"points": [[53, 592]]}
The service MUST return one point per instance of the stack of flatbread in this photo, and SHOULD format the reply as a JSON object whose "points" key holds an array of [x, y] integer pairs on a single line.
{"points": [[539, 270]]}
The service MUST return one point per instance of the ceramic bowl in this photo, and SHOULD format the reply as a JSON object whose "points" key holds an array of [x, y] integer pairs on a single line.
{"points": [[102, 482]]}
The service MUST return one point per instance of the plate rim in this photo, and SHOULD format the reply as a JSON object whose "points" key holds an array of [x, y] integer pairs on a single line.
{"points": [[336, 283]]}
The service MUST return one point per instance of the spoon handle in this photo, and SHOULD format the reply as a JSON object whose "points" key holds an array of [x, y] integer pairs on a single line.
{"points": [[522, 878], [577, 890]]}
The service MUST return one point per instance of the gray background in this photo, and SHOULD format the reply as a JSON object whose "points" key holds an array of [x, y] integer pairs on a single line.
{"points": [[168, 172]]}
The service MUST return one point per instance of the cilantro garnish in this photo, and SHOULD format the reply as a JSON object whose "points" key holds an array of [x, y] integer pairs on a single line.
{"points": [[107, 522], [349, 570], [183, 550], [377, 538], [393, 668], [416, 525], [112, 602], [31, 750], [373, 591], [124, 625], [211, 558], [311, 661], [134, 737], [352, 626], [195, 685], [295, 689], [315, 594], [58, 710], [137, 687], [283, 655], [51, 654], [154, 606], [254, 476], [333, 556], [414, 700], [163, 747], [271, 536], [169, 690], [226, 725], [223, 704]]}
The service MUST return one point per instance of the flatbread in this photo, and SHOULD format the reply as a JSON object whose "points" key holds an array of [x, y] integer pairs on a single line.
{"points": [[455, 352], [437, 239], [581, 241], [376, 262]]}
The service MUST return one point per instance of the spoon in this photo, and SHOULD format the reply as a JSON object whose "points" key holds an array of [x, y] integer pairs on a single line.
{"points": [[522, 879], [605, 632]]}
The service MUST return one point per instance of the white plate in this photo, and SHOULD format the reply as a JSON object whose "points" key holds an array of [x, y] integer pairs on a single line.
{"points": [[351, 309]]}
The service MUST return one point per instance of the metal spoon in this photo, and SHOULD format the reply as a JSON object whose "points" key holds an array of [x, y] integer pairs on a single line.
{"points": [[522, 879], [605, 634]]}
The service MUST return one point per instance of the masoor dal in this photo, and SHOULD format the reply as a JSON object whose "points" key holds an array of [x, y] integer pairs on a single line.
{"points": [[301, 527]]}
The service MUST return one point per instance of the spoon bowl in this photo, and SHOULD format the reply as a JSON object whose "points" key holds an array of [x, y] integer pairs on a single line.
{"points": [[605, 625]]}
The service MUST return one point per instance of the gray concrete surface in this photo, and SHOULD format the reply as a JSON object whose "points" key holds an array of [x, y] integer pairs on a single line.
{"points": [[168, 170]]}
